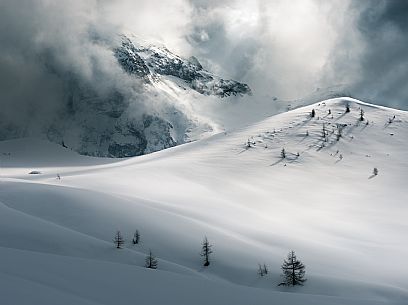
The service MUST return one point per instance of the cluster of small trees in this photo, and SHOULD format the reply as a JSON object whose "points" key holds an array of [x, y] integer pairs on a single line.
{"points": [[262, 270], [293, 271], [283, 154], [361, 112], [151, 261], [119, 241]]}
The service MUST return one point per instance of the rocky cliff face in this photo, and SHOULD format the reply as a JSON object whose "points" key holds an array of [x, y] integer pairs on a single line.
{"points": [[151, 61], [116, 120]]}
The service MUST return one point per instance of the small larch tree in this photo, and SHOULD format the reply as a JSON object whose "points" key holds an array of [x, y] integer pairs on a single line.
{"points": [[151, 261], [262, 269], [390, 120], [361, 114], [206, 251], [313, 113], [265, 269], [339, 134], [293, 271], [375, 171], [283, 153], [118, 240], [324, 133], [136, 237]]}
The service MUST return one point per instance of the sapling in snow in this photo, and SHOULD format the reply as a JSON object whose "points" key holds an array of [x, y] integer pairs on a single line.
{"points": [[206, 251], [283, 153], [151, 261], [136, 237], [265, 269], [339, 131], [248, 144], [324, 133], [375, 171], [390, 120], [262, 270], [361, 114], [118, 240]]}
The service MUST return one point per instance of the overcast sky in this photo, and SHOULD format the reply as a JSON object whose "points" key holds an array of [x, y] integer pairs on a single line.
{"points": [[287, 48], [280, 48]]}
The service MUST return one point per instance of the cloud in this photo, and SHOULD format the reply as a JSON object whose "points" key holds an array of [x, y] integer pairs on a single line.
{"points": [[40, 40], [384, 59], [280, 48], [46, 47], [290, 48], [275, 46]]}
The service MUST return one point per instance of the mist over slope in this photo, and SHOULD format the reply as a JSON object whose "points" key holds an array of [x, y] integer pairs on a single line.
{"points": [[132, 105], [68, 74], [321, 200]]}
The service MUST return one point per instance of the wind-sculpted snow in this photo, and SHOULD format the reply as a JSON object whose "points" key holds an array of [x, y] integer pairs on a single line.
{"points": [[323, 200]]}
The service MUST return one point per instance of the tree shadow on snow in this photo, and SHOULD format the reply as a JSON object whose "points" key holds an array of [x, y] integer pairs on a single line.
{"points": [[342, 115], [291, 158], [277, 162]]}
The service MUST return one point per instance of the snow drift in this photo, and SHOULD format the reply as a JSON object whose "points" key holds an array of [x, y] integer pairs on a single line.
{"points": [[322, 200]]}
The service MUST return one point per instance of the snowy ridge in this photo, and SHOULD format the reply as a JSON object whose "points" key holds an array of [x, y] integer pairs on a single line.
{"points": [[150, 62], [346, 224]]}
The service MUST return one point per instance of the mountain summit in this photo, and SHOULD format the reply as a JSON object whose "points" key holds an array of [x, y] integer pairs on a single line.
{"points": [[151, 62]]}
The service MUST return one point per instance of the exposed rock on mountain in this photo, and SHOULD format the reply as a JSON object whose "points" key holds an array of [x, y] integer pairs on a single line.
{"points": [[134, 110], [161, 61]]}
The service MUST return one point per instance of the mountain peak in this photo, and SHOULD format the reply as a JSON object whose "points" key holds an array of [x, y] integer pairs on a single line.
{"points": [[153, 62]]}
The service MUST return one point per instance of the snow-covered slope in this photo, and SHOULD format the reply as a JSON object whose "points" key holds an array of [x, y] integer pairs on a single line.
{"points": [[347, 225]]}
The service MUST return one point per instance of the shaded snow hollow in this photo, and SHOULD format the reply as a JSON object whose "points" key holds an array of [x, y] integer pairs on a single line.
{"points": [[347, 225]]}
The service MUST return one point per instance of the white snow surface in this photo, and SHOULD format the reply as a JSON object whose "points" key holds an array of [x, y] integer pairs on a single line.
{"points": [[348, 226]]}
